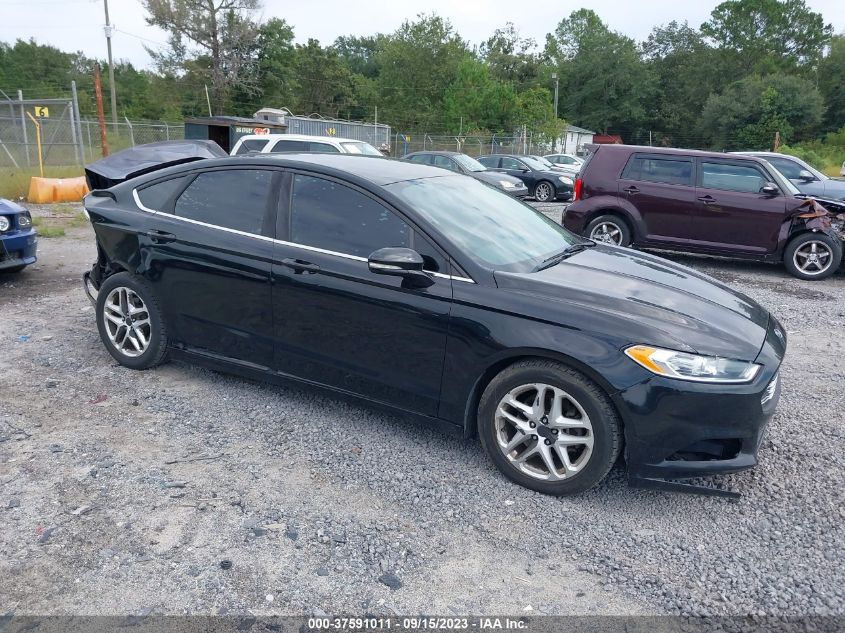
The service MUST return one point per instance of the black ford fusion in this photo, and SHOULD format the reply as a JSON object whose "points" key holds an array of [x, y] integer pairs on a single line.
{"points": [[434, 294]]}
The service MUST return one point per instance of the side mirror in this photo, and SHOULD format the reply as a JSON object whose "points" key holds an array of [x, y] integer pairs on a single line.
{"points": [[806, 176], [400, 262], [770, 189]]}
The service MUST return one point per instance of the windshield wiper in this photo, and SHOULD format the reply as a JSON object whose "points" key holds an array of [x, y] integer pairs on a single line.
{"points": [[557, 258]]}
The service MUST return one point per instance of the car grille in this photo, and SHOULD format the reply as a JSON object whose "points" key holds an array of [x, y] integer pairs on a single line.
{"points": [[769, 393]]}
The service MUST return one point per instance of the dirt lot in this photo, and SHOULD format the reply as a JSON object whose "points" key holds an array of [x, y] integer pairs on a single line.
{"points": [[122, 492]]}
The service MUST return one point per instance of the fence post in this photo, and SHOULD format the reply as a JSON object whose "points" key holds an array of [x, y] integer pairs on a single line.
{"points": [[23, 127], [78, 118], [167, 130], [131, 131], [79, 159]]}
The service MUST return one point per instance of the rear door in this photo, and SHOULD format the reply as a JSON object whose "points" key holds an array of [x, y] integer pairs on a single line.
{"points": [[661, 188], [732, 213], [207, 250], [337, 323]]}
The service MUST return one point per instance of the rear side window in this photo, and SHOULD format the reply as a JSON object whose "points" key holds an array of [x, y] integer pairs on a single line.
{"points": [[325, 148], [290, 146], [741, 178], [233, 199], [251, 145], [671, 171], [337, 218], [489, 161], [159, 197]]}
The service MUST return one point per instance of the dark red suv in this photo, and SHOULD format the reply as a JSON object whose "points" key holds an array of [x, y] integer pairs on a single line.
{"points": [[702, 202]]}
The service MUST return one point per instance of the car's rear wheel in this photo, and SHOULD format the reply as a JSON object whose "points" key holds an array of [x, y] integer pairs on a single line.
{"points": [[549, 428], [130, 322], [609, 229], [812, 256], [544, 191]]}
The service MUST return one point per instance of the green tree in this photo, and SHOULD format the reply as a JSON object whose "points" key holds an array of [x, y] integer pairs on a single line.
{"points": [[417, 64], [535, 111], [749, 112], [765, 36], [223, 35], [359, 53], [475, 101], [605, 83], [832, 83], [511, 58], [324, 82], [276, 63]]}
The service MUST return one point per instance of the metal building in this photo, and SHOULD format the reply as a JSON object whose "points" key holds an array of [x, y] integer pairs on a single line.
{"points": [[226, 130], [372, 133]]}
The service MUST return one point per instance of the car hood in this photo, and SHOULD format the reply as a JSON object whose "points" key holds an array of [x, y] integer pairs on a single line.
{"points": [[646, 299], [495, 177]]}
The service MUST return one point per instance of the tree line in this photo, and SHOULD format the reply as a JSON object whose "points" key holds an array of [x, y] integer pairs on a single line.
{"points": [[753, 69]]}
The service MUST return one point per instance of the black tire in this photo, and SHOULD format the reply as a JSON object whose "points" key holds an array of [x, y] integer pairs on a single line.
{"points": [[804, 241], [155, 352], [605, 422], [606, 220], [14, 269], [544, 191]]}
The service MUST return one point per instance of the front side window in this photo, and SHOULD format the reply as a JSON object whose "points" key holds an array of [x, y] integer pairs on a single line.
{"points": [[489, 161], [337, 218], [445, 162], [788, 168], [511, 163], [233, 199], [664, 170], [422, 159], [740, 178], [489, 226], [251, 145]]}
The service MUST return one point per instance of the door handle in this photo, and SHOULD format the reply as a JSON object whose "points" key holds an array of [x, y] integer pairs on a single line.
{"points": [[632, 190], [708, 199], [300, 266], [159, 237]]}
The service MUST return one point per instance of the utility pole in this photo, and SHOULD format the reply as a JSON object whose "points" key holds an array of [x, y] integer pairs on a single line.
{"points": [[98, 94], [557, 82], [108, 30]]}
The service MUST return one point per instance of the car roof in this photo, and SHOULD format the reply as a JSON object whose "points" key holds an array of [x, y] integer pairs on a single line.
{"points": [[374, 169], [435, 151], [672, 151], [300, 137]]}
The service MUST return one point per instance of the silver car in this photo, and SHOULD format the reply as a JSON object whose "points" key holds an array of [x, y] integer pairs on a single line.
{"points": [[805, 177]]}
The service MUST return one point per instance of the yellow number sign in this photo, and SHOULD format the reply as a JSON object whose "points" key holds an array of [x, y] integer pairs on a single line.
{"points": [[42, 112]]}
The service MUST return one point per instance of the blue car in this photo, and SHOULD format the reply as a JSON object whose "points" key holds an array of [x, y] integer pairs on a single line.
{"points": [[18, 239]]}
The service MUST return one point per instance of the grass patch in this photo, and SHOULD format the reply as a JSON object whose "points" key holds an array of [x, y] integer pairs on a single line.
{"points": [[14, 183], [55, 226], [47, 230]]}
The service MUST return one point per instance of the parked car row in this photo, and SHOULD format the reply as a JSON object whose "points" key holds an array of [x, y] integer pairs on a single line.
{"points": [[737, 205]]}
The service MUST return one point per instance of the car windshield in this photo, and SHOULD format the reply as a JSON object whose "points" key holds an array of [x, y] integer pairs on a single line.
{"points": [[359, 147], [536, 163], [784, 182], [543, 161], [469, 163], [491, 227]]}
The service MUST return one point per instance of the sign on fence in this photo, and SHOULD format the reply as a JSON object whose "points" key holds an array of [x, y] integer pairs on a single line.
{"points": [[42, 112]]}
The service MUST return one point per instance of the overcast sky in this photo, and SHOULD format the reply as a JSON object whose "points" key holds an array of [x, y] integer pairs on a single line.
{"points": [[77, 24]]}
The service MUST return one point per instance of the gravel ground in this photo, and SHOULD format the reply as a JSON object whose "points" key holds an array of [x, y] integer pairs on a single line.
{"points": [[125, 492]]}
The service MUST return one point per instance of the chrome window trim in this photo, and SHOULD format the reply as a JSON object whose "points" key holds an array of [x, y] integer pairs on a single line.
{"points": [[281, 242]]}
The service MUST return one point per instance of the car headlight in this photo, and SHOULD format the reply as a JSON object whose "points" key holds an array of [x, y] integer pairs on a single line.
{"points": [[24, 221], [4, 223], [685, 366], [566, 180], [507, 184]]}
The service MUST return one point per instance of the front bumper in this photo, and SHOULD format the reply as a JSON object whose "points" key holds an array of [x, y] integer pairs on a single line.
{"points": [[519, 192], [677, 429], [18, 249]]}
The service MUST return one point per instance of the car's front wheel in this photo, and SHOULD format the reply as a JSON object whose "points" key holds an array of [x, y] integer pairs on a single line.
{"points": [[544, 191], [549, 428], [812, 256], [130, 322]]}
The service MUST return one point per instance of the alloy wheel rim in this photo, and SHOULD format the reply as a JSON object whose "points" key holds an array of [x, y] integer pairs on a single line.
{"points": [[127, 322], [607, 232], [813, 258], [543, 192], [544, 432]]}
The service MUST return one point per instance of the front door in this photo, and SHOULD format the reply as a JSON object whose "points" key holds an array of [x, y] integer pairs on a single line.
{"points": [[661, 189], [208, 249], [337, 323], [733, 214]]}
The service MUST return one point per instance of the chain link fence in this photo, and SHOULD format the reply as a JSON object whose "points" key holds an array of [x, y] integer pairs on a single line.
{"points": [[528, 143]]}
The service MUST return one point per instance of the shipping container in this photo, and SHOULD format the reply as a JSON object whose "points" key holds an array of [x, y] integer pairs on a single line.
{"points": [[226, 130], [374, 134]]}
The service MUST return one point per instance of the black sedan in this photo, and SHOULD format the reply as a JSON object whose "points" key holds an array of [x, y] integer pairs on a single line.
{"points": [[463, 164], [543, 181], [438, 296]]}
